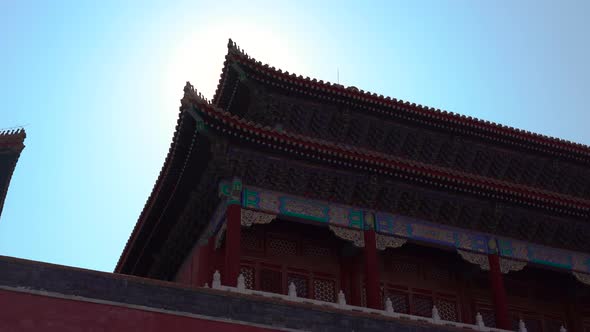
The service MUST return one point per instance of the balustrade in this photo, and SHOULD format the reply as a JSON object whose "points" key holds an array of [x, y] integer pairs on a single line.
{"points": [[341, 304]]}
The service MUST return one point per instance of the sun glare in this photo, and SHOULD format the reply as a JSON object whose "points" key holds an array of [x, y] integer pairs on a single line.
{"points": [[199, 56]]}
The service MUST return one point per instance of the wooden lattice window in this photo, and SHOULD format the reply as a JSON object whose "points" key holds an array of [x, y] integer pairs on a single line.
{"points": [[399, 300], [363, 296], [447, 309], [439, 273], [271, 281], [489, 317], [248, 273], [314, 250], [552, 325], [324, 290], [301, 284], [250, 240], [404, 267], [282, 247], [422, 305], [533, 324]]}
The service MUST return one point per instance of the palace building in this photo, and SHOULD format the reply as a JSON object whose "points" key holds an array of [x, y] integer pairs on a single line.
{"points": [[291, 204], [289, 181]]}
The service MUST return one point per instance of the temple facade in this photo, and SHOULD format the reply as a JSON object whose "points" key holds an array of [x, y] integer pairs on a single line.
{"points": [[333, 196]]}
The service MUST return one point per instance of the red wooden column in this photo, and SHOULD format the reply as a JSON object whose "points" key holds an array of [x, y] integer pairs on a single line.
{"points": [[233, 235], [371, 264], [498, 293], [232, 245], [206, 260], [355, 282]]}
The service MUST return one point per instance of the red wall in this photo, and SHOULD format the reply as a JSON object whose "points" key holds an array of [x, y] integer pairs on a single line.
{"points": [[28, 312]]}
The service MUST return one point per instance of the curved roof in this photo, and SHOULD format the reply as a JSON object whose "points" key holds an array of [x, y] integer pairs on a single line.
{"points": [[299, 146], [364, 159], [11, 145], [372, 102]]}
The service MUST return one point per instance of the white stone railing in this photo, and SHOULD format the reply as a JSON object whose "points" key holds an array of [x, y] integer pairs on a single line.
{"points": [[341, 304]]}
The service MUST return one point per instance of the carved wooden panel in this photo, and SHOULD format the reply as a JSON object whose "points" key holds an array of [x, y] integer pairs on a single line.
{"points": [[448, 309], [324, 290], [271, 281], [422, 305], [282, 247], [301, 283], [248, 273]]}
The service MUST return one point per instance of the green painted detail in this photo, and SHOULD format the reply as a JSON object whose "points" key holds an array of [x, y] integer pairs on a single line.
{"points": [[356, 218], [250, 199], [241, 73], [554, 264], [224, 189], [303, 209], [235, 196], [505, 247], [200, 123]]}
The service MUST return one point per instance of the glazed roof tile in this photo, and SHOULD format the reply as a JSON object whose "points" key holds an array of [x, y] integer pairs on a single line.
{"points": [[361, 155], [337, 91]]}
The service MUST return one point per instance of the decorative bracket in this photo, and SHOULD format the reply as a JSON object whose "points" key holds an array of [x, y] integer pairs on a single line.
{"points": [[506, 265], [388, 241], [582, 277], [249, 217], [477, 259], [352, 235]]}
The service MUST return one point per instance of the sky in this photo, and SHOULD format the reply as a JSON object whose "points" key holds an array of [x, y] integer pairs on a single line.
{"points": [[97, 86]]}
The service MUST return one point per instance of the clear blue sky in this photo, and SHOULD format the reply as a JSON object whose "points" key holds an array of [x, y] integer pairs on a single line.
{"points": [[97, 87]]}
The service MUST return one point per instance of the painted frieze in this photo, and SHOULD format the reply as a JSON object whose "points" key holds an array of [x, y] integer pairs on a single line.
{"points": [[394, 230]]}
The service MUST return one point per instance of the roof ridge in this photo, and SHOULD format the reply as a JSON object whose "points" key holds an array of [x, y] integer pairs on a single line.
{"points": [[380, 100], [18, 131]]}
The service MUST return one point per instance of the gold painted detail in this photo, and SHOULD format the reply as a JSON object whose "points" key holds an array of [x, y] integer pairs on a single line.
{"points": [[352, 235], [249, 217], [386, 241], [506, 265]]}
